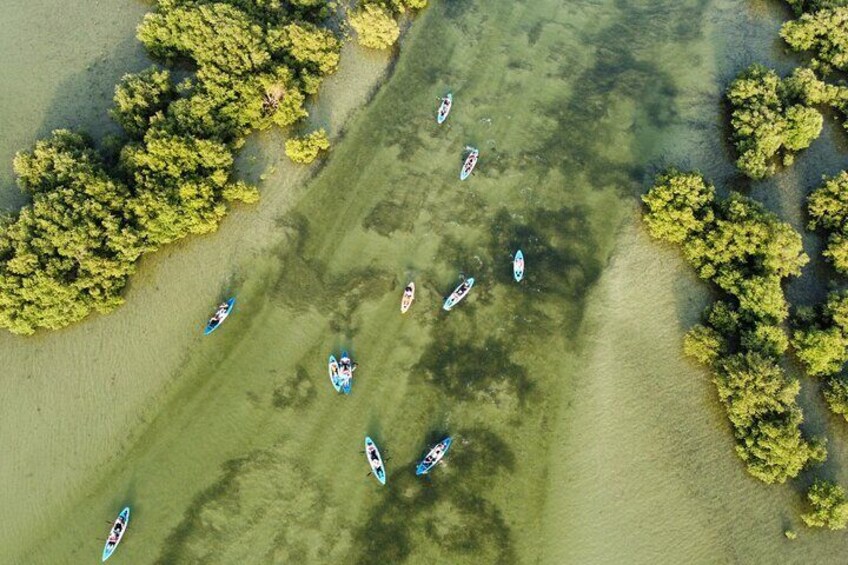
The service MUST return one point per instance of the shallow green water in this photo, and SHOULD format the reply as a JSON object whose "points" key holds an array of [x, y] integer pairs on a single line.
{"points": [[582, 436]]}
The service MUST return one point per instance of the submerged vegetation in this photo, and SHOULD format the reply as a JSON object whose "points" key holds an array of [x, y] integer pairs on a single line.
{"points": [[73, 248], [746, 252]]}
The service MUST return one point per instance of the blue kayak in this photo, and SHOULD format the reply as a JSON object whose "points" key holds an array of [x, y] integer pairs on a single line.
{"points": [[345, 372], [434, 456], [375, 460], [458, 294], [333, 367], [518, 266], [116, 534], [219, 317]]}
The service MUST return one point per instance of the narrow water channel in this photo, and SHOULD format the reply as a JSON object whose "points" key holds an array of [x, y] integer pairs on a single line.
{"points": [[582, 435]]}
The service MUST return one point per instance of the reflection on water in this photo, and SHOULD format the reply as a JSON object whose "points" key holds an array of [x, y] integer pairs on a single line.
{"points": [[581, 434]]}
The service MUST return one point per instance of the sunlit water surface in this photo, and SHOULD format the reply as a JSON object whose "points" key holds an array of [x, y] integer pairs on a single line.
{"points": [[582, 435]]}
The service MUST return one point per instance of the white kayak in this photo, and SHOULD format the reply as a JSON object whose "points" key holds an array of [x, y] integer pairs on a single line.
{"points": [[375, 460], [116, 534], [408, 297], [458, 294], [444, 108], [470, 163], [335, 378], [518, 266]]}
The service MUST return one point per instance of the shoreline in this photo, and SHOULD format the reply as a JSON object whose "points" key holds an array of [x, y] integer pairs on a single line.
{"points": [[163, 272]]}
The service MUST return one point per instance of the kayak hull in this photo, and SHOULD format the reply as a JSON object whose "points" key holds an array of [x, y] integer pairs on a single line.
{"points": [[378, 468], [211, 327], [436, 454], [469, 164], [518, 266], [110, 547], [406, 301], [444, 109], [455, 297], [333, 368]]}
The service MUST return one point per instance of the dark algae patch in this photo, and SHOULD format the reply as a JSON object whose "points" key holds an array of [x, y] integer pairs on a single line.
{"points": [[443, 515]]}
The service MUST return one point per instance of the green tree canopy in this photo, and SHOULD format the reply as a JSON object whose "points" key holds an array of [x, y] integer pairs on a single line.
{"points": [[680, 205], [836, 396], [70, 251], [822, 345], [828, 506], [770, 123], [802, 6], [375, 26], [141, 96], [828, 210], [824, 32], [306, 149]]}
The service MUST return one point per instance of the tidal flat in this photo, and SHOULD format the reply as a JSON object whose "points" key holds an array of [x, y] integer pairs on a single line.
{"points": [[581, 433]]}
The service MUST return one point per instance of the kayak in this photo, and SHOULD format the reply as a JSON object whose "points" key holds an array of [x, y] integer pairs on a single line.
{"points": [[406, 301], [334, 373], [345, 373], [445, 108], [458, 294], [434, 456], [374, 459], [219, 317], [518, 266], [470, 163], [116, 533]]}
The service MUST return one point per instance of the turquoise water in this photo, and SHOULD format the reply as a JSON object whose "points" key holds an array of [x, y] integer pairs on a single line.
{"points": [[582, 436]]}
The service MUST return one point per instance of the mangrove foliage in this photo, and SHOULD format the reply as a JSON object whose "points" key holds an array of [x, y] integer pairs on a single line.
{"points": [[253, 64], [376, 21], [746, 252], [828, 506]]}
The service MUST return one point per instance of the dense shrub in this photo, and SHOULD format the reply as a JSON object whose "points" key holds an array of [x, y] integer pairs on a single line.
{"points": [[375, 26], [73, 249], [140, 97], [829, 507], [746, 251], [825, 32], [770, 121], [306, 149]]}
